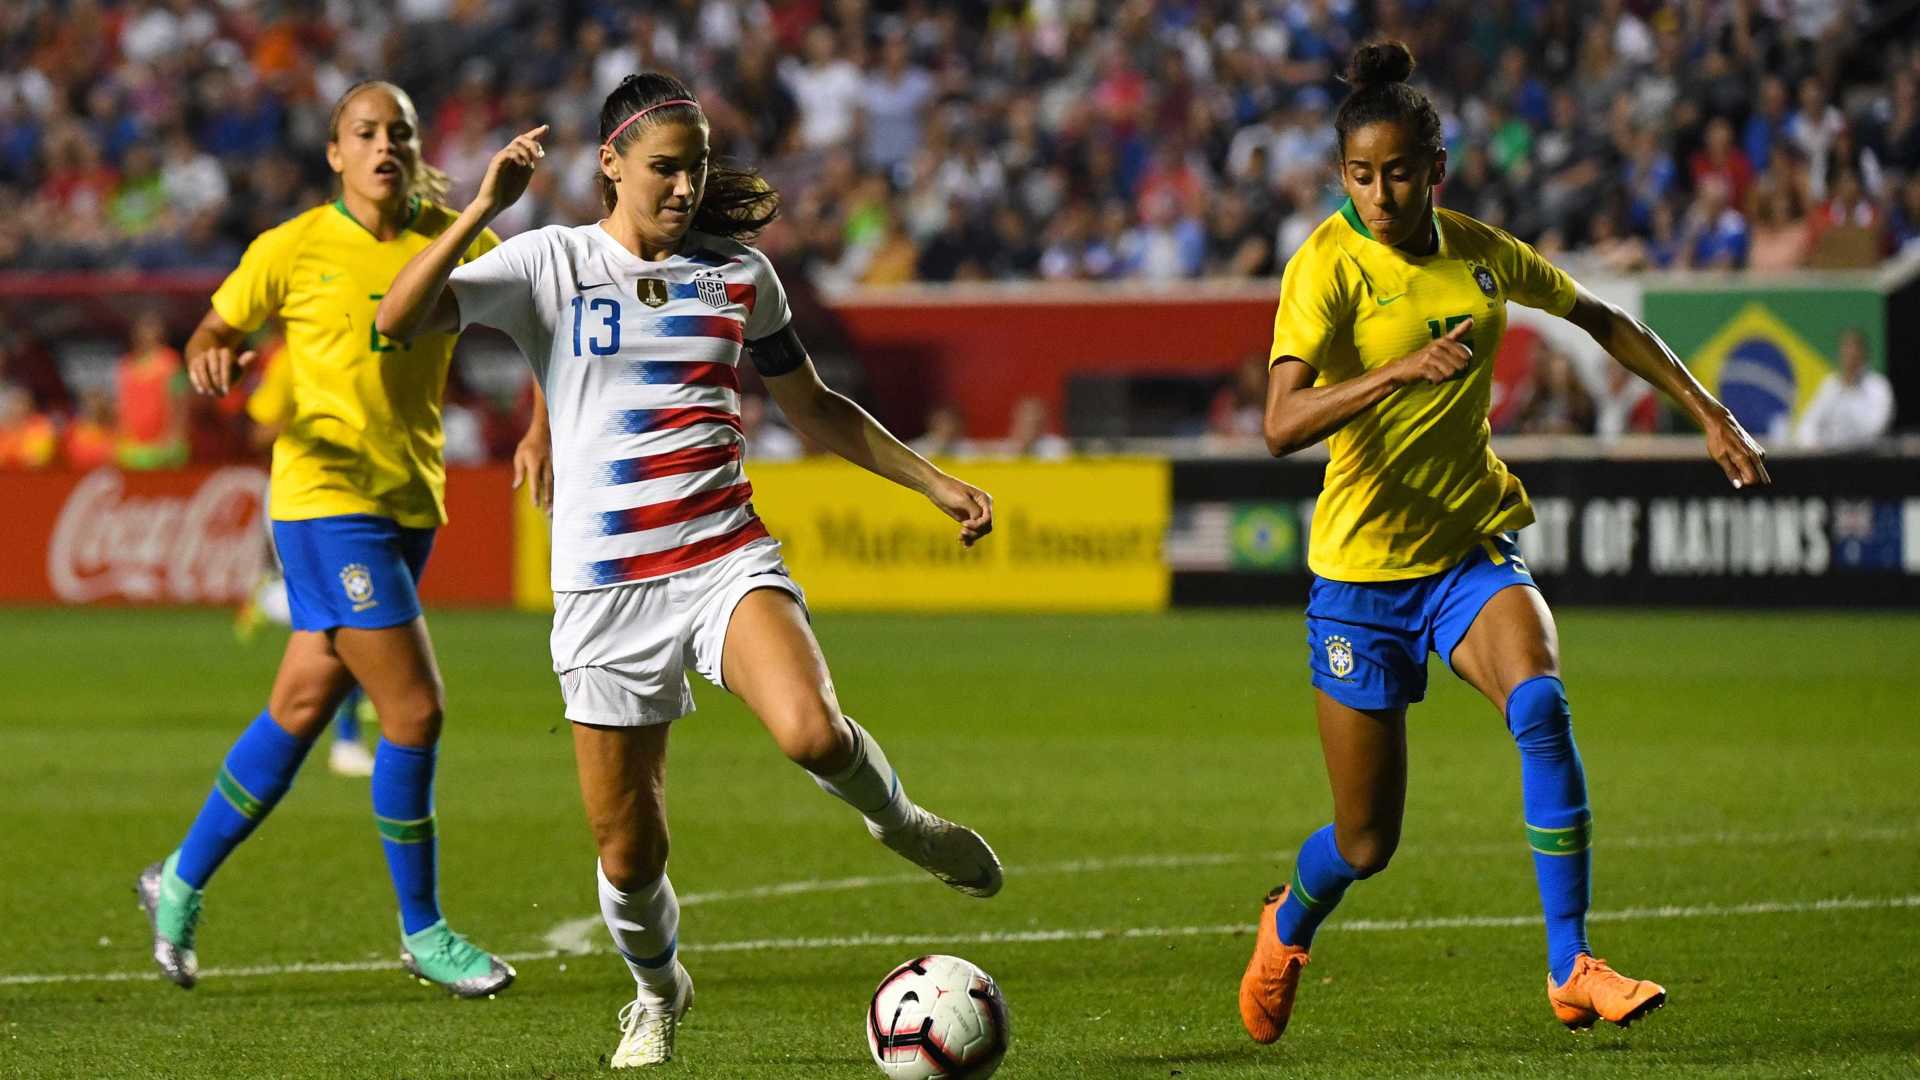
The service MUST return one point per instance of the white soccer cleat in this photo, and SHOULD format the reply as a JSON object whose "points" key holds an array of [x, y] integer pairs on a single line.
{"points": [[953, 853], [647, 1031], [348, 758]]}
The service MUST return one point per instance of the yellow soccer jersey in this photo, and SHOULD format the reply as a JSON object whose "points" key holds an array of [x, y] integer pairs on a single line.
{"points": [[271, 403], [364, 437], [1413, 484]]}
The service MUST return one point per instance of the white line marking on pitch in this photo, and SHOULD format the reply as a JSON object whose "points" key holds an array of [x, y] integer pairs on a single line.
{"points": [[1006, 937]]}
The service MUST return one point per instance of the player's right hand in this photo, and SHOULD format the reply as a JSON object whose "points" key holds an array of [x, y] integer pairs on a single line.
{"points": [[214, 371], [511, 170], [1441, 359]]}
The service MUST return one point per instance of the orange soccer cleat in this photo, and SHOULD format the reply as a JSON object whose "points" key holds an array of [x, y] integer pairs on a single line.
{"points": [[1273, 974], [1596, 992]]}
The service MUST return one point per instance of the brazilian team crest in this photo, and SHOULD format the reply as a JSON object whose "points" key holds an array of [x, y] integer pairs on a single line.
{"points": [[1483, 277], [358, 582], [1339, 656], [712, 288], [652, 291]]}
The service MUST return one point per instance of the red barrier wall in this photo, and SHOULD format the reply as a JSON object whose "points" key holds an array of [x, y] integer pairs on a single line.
{"points": [[984, 347]]}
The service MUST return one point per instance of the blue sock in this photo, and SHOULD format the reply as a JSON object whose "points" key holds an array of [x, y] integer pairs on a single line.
{"points": [[1320, 879], [346, 718], [1553, 788], [258, 771], [403, 809]]}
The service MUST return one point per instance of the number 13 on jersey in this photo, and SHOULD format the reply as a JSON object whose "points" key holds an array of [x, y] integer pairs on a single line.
{"points": [[608, 313]]}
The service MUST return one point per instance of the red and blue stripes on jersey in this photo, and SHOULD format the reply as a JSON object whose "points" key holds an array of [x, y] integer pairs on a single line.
{"points": [[657, 563], [647, 421], [681, 373], [673, 511], [695, 326], [692, 459]]}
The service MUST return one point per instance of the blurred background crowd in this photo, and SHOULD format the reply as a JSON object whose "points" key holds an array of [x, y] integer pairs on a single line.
{"points": [[920, 141]]}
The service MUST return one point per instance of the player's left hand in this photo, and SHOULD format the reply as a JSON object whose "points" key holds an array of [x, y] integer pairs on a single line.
{"points": [[533, 466], [1736, 452], [964, 503]]}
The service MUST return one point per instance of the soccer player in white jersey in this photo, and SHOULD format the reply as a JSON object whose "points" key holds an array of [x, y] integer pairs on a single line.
{"points": [[635, 327]]}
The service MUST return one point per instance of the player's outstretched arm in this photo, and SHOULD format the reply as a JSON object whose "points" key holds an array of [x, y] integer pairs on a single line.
{"points": [[214, 356], [418, 302], [1300, 414], [1640, 350], [835, 422]]}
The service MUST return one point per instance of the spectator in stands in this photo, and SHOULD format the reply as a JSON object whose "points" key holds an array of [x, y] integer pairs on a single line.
{"points": [[1714, 235], [894, 93], [1559, 404], [1767, 125], [827, 88], [1847, 229], [28, 439], [1030, 434], [152, 399], [1624, 405], [1721, 159], [1853, 406], [1239, 409], [1781, 236], [88, 441], [1813, 127], [946, 434]]}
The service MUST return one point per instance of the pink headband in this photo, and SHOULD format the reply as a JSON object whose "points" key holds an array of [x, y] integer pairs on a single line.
{"points": [[657, 105]]}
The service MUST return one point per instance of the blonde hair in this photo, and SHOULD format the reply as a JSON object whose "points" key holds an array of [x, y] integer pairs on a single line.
{"points": [[428, 182]]}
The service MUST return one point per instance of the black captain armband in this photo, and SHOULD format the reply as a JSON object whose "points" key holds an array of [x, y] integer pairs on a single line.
{"points": [[779, 353]]}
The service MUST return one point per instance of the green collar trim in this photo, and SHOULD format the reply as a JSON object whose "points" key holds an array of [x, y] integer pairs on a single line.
{"points": [[413, 214], [1352, 214], [1347, 210]]}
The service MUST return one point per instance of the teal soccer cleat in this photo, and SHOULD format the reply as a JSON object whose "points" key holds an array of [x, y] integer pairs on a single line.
{"points": [[173, 911], [438, 956]]}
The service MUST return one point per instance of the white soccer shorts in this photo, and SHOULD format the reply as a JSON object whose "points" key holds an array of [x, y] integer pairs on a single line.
{"points": [[622, 653]]}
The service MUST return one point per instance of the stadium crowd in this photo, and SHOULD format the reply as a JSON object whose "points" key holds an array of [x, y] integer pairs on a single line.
{"points": [[916, 140]]}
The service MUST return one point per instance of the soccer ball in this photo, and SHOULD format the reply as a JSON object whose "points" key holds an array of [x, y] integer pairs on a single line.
{"points": [[937, 1018]]}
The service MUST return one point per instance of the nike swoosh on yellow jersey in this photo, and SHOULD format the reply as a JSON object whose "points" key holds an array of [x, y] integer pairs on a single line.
{"points": [[1383, 301]]}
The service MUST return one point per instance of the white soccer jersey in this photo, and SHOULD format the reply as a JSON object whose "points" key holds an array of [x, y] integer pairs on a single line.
{"points": [[640, 364]]}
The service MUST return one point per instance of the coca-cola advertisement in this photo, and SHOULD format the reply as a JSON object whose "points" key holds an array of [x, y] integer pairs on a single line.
{"points": [[197, 536]]}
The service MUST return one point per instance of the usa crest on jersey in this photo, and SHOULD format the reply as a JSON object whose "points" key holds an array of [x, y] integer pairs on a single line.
{"points": [[713, 290]]}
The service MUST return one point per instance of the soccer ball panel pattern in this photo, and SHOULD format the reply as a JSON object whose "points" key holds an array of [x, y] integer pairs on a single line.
{"points": [[937, 1018]]}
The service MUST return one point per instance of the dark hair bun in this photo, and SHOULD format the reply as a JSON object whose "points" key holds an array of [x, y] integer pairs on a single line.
{"points": [[1379, 64]]}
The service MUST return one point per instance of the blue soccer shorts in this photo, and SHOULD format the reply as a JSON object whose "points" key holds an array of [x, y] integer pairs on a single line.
{"points": [[1367, 642], [354, 570]]}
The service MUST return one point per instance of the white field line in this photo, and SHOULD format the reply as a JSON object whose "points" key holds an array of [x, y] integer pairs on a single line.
{"points": [[1004, 937], [579, 935]]}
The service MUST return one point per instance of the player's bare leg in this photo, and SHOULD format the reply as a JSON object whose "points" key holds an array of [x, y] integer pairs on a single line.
{"points": [[396, 667], [1511, 655], [1366, 757], [773, 663], [623, 784]]}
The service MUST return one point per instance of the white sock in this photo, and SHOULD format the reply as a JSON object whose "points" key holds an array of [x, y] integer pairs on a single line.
{"points": [[645, 925], [869, 784]]}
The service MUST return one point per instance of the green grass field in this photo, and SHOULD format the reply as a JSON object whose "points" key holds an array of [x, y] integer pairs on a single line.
{"points": [[1145, 780]]}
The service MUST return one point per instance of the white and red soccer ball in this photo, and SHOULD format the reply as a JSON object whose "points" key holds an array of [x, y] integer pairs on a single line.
{"points": [[937, 1018]]}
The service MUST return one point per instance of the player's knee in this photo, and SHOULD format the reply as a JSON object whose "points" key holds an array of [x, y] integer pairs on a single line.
{"points": [[1540, 718], [413, 720], [301, 710], [631, 858], [1368, 853], [811, 735]]}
